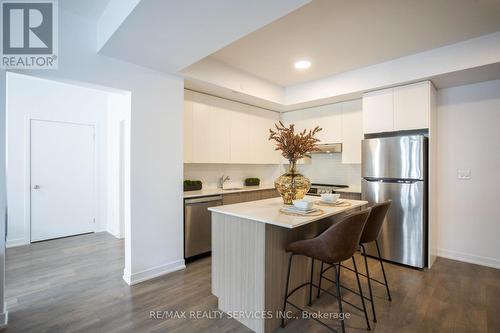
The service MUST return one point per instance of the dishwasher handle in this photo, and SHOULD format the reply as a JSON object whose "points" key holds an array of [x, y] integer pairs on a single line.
{"points": [[203, 199]]}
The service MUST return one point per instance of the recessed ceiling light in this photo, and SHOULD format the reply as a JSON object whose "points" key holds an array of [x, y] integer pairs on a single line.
{"points": [[302, 64]]}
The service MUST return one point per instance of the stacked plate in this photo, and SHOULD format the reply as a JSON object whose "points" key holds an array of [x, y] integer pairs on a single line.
{"points": [[301, 211]]}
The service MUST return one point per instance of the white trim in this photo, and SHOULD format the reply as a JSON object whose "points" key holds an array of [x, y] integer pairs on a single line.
{"points": [[148, 274], [27, 185], [16, 242], [469, 258], [4, 318], [117, 235], [27, 180]]}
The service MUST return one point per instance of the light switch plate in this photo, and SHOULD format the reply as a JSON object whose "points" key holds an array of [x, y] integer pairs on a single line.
{"points": [[463, 174]]}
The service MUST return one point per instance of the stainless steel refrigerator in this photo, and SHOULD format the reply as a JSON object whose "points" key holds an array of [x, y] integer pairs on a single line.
{"points": [[395, 168]]}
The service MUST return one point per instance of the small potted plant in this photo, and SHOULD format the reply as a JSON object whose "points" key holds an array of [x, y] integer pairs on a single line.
{"points": [[192, 185], [252, 182]]}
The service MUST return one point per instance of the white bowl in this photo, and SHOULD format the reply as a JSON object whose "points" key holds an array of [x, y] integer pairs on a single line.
{"points": [[303, 204], [330, 197]]}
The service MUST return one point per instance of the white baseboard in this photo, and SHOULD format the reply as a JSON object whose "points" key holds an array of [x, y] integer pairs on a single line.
{"points": [[4, 318], [16, 242], [148, 274], [470, 258], [116, 235]]}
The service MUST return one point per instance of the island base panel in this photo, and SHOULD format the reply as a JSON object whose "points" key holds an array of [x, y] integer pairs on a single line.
{"points": [[249, 264]]}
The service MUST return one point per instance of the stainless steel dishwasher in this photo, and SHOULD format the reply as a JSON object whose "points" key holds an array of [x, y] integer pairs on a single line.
{"points": [[198, 226]]}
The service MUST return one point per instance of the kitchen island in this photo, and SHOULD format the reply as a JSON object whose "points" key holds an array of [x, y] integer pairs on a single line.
{"points": [[249, 260]]}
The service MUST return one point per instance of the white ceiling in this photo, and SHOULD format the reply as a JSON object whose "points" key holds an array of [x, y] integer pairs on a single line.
{"points": [[339, 35], [169, 35], [90, 9]]}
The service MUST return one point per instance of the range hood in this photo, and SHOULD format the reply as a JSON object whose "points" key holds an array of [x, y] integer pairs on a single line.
{"points": [[328, 148]]}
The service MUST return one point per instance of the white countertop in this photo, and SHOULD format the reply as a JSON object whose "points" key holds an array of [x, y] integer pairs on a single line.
{"points": [[218, 191], [268, 211]]}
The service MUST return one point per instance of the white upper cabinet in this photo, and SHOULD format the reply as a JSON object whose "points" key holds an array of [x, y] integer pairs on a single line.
{"points": [[298, 119], [329, 118], [219, 138], [341, 123], [378, 114], [352, 131], [412, 104], [240, 137], [261, 149], [294, 117], [401, 108], [188, 132], [201, 148], [222, 131]]}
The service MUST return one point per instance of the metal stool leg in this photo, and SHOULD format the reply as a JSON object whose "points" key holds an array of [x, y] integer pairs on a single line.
{"points": [[286, 290], [320, 278], [311, 282], [361, 294], [363, 251], [339, 298], [383, 271]]}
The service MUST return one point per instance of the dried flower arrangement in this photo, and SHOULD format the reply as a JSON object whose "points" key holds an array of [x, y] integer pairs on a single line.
{"points": [[293, 145]]}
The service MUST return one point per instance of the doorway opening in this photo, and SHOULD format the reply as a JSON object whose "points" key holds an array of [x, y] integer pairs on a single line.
{"points": [[68, 183]]}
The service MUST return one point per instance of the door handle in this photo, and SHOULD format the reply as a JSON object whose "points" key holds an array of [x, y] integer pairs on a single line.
{"points": [[36, 187]]}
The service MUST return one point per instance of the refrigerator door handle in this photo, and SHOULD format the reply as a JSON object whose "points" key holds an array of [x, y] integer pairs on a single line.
{"points": [[389, 180]]}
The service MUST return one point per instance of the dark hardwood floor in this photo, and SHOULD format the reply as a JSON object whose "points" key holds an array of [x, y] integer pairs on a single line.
{"points": [[75, 285]]}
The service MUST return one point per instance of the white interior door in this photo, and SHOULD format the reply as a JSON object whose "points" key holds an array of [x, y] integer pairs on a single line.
{"points": [[62, 179]]}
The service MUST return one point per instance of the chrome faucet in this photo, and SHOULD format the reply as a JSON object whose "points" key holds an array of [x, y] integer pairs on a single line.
{"points": [[222, 180]]}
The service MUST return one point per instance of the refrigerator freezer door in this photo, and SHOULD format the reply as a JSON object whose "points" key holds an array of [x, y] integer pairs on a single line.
{"points": [[399, 157], [402, 238]]}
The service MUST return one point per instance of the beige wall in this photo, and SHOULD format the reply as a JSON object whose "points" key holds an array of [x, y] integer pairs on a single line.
{"points": [[469, 139]]}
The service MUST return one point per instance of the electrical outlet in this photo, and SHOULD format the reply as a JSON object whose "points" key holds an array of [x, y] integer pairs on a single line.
{"points": [[463, 174]]}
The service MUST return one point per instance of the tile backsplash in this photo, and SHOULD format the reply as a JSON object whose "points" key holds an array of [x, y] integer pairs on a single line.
{"points": [[328, 169], [209, 174], [325, 168]]}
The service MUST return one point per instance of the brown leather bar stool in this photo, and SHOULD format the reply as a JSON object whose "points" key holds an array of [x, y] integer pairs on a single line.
{"points": [[334, 245], [370, 234]]}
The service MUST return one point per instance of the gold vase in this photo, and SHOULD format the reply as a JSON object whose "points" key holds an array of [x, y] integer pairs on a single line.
{"points": [[292, 185]]}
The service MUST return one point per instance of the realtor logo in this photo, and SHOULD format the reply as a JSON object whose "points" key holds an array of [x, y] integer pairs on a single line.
{"points": [[29, 34]]}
